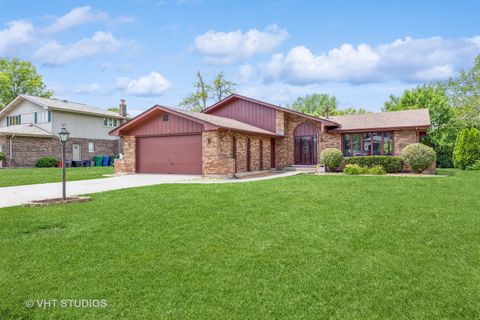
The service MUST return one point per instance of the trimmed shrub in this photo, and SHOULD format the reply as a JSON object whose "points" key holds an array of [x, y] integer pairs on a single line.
{"points": [[1, 156], [418, 156], [474, 167], [331, 158], [47, 162], [391, 164], [467, 148], [355, 169]]}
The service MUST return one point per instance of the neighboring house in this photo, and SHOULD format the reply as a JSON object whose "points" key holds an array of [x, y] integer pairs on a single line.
{"points": [[240, 134], [29, 127]]}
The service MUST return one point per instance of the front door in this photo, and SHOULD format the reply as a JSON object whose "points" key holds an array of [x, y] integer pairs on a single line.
{"points": [[305, 150], [76, 153]]}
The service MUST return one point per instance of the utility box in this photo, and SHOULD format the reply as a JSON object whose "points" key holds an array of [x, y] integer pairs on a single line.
{"points": [[321, 168]]}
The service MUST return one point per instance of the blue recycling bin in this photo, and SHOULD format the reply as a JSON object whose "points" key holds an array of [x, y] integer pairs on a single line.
{"points": [[106, 161]]}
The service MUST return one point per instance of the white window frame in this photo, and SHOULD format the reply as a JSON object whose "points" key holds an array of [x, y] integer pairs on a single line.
{"points": [[91, 147]]}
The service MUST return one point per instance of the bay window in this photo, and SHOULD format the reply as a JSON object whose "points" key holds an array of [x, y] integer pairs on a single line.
{"points": [[367, 144]]}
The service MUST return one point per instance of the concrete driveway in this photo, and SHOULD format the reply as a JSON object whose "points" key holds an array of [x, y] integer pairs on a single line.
{"points": [[18, 195], [15, 196]]}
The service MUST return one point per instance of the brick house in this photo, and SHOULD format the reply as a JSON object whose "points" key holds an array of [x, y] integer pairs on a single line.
{"points": [[29, 127], [240, 134]]}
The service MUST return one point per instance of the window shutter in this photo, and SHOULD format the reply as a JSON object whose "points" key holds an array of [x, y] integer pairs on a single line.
{"points": [[19, 119], [35, 117], [8, 121], [49, 116]]}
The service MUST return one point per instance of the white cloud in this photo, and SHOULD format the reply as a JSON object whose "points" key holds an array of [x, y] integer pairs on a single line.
{"points": [[246, 73], [76, 17], [54, 53], [152, 85], [406, 59], [17, 34], [228, 47]]}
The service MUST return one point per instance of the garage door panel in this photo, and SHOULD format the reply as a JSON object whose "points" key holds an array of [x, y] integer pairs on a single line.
{"points": [[172, 154]]}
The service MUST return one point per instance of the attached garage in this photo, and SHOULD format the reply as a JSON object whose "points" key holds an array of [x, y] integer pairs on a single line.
{"points": [[180, 154], [164, 140]]}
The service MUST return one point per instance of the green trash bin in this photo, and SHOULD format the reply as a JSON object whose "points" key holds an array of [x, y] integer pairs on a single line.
{"points": [[98, 160]]}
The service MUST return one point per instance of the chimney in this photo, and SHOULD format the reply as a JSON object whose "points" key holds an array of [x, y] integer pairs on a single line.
{"points": [[122, 108]]}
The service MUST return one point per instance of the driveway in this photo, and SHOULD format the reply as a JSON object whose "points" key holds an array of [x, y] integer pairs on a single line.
{"points": [[15, 196]]}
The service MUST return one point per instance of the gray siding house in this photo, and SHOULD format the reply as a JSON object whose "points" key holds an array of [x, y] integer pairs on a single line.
{"points": [[29, 127]]}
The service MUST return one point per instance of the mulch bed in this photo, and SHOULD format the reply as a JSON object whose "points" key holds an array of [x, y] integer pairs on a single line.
{"points": [[54, 201]]}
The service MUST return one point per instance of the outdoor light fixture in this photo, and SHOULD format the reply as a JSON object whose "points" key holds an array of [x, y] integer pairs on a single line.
{"points": [[63, 136]]}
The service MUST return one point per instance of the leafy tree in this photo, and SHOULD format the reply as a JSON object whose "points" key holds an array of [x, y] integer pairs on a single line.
{"points": [[467, 148], [465, 94], [442, 133], [221, 88], [349, 111], [114, 109], [215, 91], [319, 105], [20, 77]]}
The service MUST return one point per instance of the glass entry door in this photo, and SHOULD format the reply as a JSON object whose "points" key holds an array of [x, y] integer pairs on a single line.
{"points": [[306, 150]]}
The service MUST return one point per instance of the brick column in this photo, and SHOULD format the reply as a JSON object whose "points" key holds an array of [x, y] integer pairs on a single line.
{"points": [[128, 165]]}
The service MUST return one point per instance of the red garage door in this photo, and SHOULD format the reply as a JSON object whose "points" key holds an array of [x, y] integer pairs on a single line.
{"points": [[174, 154]]}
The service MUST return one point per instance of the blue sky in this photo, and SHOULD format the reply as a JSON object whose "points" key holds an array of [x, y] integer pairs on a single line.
{"points": [[149, 51]]}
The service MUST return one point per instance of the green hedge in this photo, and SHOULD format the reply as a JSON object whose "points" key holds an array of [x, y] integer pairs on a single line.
{"points": [[1, 156], [47, 162], [391, 164], [355, 169]]}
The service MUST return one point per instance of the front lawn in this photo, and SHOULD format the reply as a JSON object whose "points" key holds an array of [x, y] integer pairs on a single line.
{"points": [[22, 176], [324, 247]]}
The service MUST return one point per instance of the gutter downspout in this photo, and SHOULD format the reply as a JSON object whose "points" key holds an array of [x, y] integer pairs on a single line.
{"points": [[10, 155]]}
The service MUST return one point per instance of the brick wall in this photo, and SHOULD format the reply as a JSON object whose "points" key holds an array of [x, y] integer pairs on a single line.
{"points": [[217, 153], [27, 150], [403, 138], [285, 146], [128, 164]]}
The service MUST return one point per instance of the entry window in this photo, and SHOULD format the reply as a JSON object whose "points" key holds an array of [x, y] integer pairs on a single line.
{"points": [[110, 122], [367, 144], [14, 120], [91, 147]]}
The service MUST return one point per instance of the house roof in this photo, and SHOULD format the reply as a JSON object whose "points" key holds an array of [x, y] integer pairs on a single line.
{"points": [[327, 122], [212, 122], [26, 130], [419, 118], [61, 105]]}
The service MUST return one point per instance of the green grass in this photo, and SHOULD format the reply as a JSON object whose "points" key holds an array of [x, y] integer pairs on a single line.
{"points": [[23, 176], [324, 247]]}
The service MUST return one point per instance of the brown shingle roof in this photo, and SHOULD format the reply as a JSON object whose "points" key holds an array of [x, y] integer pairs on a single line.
{"points": [[419, 118]]}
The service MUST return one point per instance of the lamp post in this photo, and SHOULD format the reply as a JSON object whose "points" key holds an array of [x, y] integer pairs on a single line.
{"points": [[63, 136]]}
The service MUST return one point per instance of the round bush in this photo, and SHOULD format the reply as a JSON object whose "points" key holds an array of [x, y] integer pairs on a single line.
{"points": [[418, 156], [331, 158], [47, 162]]}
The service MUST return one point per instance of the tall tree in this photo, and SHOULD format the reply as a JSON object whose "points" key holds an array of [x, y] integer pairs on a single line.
{"points": [[206, 91], [442, 133], [465, 94], [321, 105], [197, 100], [20, 77], [221, 88]]}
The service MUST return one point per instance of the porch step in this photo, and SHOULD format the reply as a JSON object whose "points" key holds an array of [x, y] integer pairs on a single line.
{"points": [[303, 168]]}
